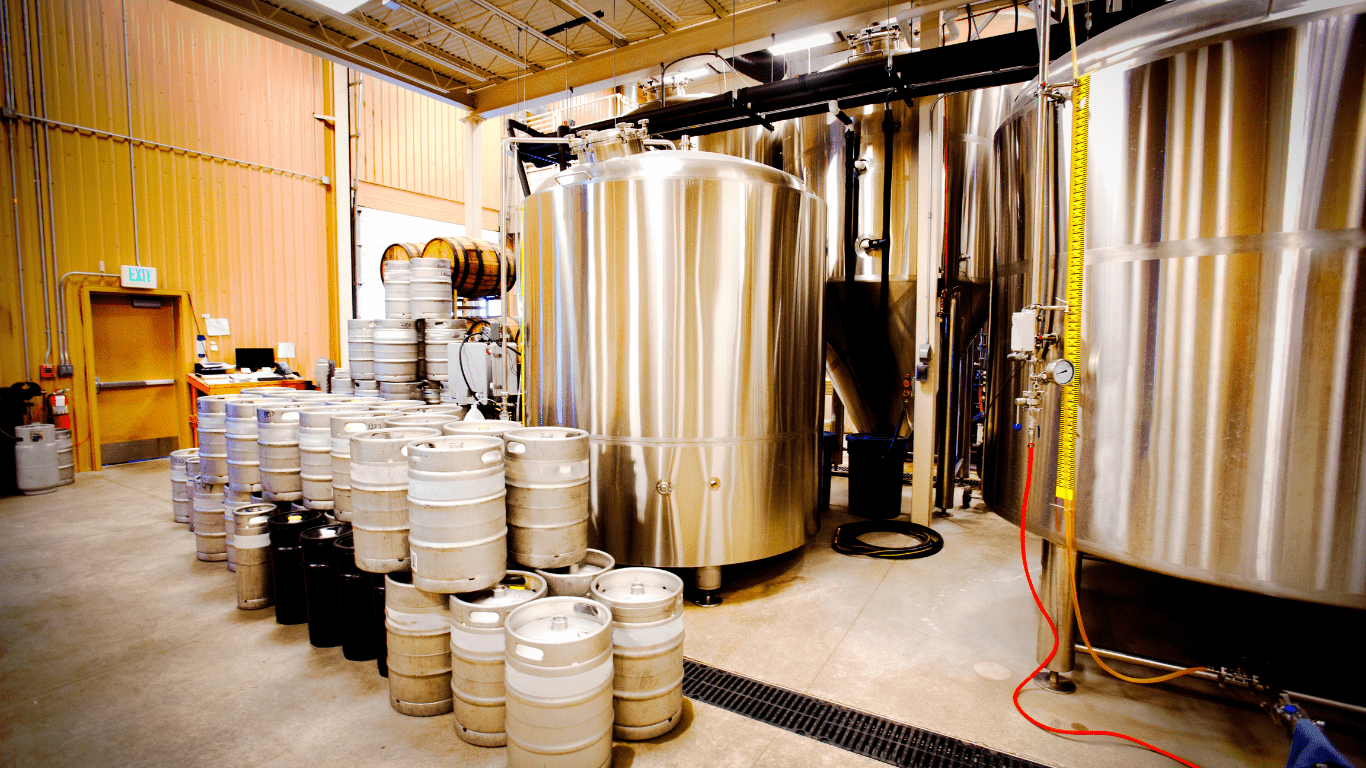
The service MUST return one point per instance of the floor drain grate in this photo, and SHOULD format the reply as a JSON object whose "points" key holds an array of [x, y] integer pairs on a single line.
{"points": [[849, 729]]}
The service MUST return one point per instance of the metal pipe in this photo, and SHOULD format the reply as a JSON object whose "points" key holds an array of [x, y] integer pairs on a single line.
{"points": [[1144, 661], [889, 129], [1344, 706], [14, 186], [1209, 675], [1055, 591], [132, 161], [504, 217], [324, 180], [37, 185], [51, 208], [1042, 152]]}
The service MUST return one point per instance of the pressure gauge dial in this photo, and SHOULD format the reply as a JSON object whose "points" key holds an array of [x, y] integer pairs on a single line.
{"points": [[1061, 371]]}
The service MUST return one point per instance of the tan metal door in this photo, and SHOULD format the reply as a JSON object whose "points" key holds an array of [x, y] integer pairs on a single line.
{"points": [[135, 373]]}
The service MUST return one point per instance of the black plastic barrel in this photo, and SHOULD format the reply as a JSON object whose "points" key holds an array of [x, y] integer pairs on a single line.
{"points": [[320, 584], [830, 444], [291, 603], [381, 637], [876, 465], [357, 602]]}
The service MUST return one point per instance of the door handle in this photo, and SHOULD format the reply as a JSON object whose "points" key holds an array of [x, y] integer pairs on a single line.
{"points": [[102, 385]]}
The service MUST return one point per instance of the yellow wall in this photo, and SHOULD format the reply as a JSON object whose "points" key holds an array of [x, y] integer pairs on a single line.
{"points": [[249, 244]]}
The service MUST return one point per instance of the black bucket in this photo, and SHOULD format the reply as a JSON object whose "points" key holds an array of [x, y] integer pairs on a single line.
{"points": [[876, 465]]}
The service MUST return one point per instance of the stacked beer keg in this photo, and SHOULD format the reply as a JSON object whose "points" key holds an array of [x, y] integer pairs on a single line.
{"points": [[277, 440], [397, 350], [244, 458], [360, 351], [437, 337], [429, 289], [180, 484]]}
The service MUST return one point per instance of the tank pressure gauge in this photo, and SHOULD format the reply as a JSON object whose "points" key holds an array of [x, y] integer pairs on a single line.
{"points": [[1061, 371]]}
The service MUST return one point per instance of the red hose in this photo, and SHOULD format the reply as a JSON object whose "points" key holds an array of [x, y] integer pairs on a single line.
{"points": [[1015, 697]]}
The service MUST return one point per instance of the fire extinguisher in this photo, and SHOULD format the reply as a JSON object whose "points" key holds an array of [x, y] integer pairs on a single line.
{"points": [[56, 405]]}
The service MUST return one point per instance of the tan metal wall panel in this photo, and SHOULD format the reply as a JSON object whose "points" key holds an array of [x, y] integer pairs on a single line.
{"points": [[247, 244], [412, 142]]}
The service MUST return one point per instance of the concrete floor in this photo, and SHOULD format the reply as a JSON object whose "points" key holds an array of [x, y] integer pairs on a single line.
{"points": [[118, 648]]}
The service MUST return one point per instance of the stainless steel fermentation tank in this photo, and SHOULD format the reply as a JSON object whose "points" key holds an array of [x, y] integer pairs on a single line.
{"points": [[675, 316], [869, 354], [1222, 426]]}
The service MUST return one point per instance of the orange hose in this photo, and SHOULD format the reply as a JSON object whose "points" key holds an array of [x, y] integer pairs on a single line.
{"points": [[1015, 697]]}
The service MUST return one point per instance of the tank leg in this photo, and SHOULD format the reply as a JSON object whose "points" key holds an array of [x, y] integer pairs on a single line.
{"points": [[708, 585], [1055, 589]]}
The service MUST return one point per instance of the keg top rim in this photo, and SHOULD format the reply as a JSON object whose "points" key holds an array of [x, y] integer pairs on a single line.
{"points": [[617, 586], [595, 557], [513, 595], [533, 621]]}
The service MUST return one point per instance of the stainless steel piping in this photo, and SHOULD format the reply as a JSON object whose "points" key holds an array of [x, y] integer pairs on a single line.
{"points": [[51, 209], [1042, 149], [13, 184], [37, 186], [128, 102], [1211, 676], [1342, 705], [503, 218], [1143, 661]]}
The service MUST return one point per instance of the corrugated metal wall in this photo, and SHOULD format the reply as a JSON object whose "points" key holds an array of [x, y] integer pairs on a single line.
{"points": [[415, 143], [248, 244]]}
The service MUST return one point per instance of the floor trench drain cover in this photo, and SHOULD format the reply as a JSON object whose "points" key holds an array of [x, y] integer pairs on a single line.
{"points": [[849, 729]]}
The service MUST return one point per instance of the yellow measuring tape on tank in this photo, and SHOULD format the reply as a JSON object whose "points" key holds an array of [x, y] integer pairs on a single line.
{"points": [[1076, 247], [1067, 429]]}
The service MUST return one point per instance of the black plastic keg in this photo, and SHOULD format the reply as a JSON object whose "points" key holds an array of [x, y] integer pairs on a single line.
{"points": [[357, 602], [381, 637], [830, 445], [320, 584], [291, 602]]}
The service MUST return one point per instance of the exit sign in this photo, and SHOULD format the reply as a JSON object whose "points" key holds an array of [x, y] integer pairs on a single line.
{"points": [[138, 277]]}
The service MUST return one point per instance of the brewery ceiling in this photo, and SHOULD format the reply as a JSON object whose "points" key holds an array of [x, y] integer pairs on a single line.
{"points": [[494, 55]]}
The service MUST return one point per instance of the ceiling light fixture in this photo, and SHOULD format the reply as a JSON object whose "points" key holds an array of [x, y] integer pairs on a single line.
{"points": [[339, 6], [801, 43]]}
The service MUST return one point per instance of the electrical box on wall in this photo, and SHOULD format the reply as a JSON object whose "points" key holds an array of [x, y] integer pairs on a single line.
{"points": [[137, 277]]}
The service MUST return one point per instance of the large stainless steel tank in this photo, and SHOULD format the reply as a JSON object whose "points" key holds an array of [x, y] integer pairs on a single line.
{"points": [[674, 314], [1223, 362], [868, 355]]}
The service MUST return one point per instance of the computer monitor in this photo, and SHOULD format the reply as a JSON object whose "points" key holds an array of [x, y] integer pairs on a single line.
{"points": [[255, 358]]}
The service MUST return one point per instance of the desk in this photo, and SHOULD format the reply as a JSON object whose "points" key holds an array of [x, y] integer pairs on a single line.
{"points": [[198, 386]]}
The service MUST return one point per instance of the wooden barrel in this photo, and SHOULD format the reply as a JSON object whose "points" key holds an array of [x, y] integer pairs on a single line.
{"points": [[398, 252], [474, 265]]}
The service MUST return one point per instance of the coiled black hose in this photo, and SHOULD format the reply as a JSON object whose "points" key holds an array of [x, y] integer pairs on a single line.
{"points": [[847, 539]]}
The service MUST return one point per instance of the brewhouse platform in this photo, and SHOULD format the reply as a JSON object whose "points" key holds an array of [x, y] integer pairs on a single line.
{"points": [[120, 649]]}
